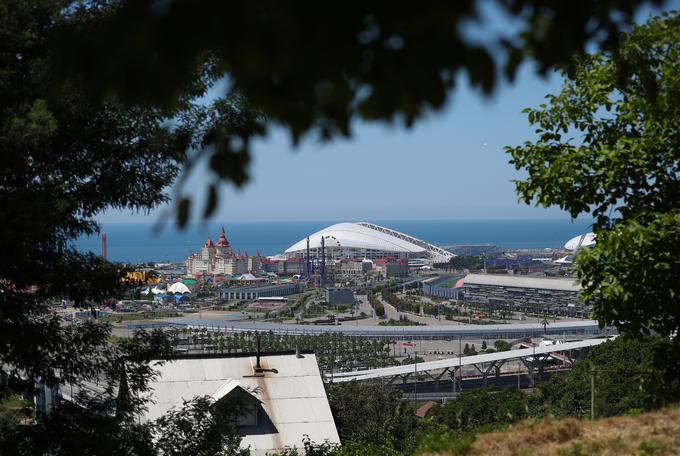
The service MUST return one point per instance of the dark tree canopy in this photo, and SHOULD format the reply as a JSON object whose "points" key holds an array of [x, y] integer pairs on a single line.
{"points": [[609, 145], [632, 374], [65, 159], [315, 67], [372, 415]]}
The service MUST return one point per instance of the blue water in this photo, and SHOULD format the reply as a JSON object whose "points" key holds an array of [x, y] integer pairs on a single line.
{"points": [[137, 242]]}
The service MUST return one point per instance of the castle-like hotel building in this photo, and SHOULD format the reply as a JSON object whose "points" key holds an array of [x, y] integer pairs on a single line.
{"points": [[219, 258]]}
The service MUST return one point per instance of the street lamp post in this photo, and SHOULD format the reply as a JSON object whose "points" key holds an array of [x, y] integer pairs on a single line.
{"points": [[415, 385], [460, 364]]}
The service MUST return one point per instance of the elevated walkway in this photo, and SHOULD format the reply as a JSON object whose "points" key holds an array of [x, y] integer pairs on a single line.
{"points": [[488, 362]]}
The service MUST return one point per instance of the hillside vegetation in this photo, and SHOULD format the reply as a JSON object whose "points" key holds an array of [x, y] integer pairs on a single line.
{"points": [[655, 433]]}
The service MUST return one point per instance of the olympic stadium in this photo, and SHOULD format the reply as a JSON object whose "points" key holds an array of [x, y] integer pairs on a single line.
{"points": [[362, 240]]}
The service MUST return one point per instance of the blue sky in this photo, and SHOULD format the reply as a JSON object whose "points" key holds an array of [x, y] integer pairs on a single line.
{"points": [[451, 165]]}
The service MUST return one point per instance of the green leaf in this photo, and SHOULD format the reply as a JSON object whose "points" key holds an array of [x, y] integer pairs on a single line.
{"points": [[211, 204], [183, 212]]}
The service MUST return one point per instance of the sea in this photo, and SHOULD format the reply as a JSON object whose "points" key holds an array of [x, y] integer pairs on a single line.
{"points": [[144, 242]]}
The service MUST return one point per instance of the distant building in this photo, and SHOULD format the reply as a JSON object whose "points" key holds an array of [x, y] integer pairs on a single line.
{"points": [[348, 267], [396, 269], [219, 258], [365, 240], [424, 409], [335, 296], [524, 293], [290, 266], [255, 292]]}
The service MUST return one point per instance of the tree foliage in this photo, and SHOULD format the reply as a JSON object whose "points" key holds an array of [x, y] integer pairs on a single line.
{"points": [[632, 374], [314, 68], [67, 158], [199, 427], [369, 414], [608, 145], [479, 408]]}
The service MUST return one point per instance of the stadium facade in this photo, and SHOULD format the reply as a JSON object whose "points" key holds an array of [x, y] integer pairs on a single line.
{"points": [[362, 240]]}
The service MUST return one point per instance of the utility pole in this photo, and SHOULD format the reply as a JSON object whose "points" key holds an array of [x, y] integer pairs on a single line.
{"points": [[533, 361], [332, 363], [460, 364], [593, 377], [415, 385]]}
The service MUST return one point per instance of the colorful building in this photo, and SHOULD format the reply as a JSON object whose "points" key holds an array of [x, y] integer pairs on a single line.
{"points": [[220, 259]]}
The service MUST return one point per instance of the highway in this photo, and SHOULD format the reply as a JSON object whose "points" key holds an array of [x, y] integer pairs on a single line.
{"points": [[432, 332]]}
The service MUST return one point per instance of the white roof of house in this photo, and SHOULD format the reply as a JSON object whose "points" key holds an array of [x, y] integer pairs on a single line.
{"points": [[543, 283], [363, 235], [293, 397], [248, 276]]}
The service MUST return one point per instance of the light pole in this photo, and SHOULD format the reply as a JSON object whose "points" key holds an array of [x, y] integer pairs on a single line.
{"points": [[460, 364], [533, 361], [593, 377], [415, 385]]}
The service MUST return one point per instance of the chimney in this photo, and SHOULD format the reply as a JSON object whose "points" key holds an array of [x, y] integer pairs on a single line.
{"points": [[104, 245], [258, 367]]}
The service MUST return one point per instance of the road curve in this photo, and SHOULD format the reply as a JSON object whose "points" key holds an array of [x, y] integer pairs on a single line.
{"points": [[501, 331]]}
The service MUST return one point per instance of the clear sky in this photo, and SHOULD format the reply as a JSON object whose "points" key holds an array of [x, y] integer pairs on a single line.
{"points": [[450, 165]]}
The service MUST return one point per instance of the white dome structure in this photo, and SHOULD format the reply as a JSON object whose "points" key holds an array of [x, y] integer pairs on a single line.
{"points": [[580, 241], [362, 240], [178, 288], [574, 244]]}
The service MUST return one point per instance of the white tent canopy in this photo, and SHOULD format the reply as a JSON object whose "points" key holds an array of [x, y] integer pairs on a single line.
{"points": [[178, 287]]}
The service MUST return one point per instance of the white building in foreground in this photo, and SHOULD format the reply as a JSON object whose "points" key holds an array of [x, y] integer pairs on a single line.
{"points": [[286, 394]]}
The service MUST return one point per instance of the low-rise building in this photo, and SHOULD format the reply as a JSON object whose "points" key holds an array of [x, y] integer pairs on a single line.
{"points": [[526, 293], [254, 292], [349, 267], [394, 269], [335, 296]]}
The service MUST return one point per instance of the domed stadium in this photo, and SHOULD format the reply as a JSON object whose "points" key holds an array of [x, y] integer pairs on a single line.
{"points": [[576, 243], [361, 240]]}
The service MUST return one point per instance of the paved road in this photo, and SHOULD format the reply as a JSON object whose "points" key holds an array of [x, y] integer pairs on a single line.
{"points": [[433, 332], [394, 314]]}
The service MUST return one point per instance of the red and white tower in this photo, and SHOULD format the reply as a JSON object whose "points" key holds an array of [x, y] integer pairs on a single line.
{"points": [[104, 245]]}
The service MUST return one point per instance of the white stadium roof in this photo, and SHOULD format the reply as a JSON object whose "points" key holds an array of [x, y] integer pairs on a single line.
{"points": [[543, 283], [363, 235], [582, 240]]}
